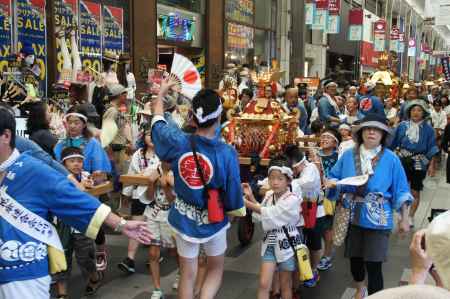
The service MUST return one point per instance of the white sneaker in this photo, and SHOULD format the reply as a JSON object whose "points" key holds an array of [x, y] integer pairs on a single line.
{"points": [[157, 294], [176, 282]]}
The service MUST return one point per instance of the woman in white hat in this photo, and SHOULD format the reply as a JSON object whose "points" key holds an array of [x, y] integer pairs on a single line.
{"points": [[415, 142], [373, 203]]}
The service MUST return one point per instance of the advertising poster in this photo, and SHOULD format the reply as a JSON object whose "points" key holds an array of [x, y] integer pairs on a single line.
{"points": [[90, 35], [31, 30], [112, 29], [5, 33], [66, 15]]}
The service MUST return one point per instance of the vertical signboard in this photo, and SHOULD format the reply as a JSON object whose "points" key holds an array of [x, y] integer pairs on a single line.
{"points": [[5, 33], [31, 31], [112, 29], [90, 34]]}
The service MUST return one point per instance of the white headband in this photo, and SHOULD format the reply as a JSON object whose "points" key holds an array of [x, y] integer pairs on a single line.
{"points": [[79, 115], [202, 119], [299, 162], [283, 169], [331, 135], [72, 156]]}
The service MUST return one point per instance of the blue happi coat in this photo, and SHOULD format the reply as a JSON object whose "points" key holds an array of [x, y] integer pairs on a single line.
{"points": [[188, 216], [95, 158], [388, 182], [45, 192], [426, 144]]}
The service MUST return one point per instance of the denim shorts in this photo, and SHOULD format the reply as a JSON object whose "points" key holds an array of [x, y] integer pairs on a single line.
{"points": [[290, 265]]}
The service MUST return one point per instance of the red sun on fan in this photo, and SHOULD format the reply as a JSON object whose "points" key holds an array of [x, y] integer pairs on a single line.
{"points": [[190, 76]]}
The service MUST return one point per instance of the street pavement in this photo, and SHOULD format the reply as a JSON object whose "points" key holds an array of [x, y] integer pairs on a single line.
{"points": [[242, 264]]}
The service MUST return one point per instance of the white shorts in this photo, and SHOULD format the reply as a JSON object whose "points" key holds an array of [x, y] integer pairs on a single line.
{"points": [[213, 247], [162, 234], [38, 288]]}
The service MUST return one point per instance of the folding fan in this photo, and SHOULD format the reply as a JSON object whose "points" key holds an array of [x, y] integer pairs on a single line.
{"points": [[187, 75]]}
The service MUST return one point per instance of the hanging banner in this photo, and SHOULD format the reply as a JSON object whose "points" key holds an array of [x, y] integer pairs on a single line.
{"points": [[31, 32], [90, 35], [112, 28], [355, 32], [320, 21], [411, 47], [333, 24], [401, 43], [310, 8], [379, 35], [66, 15], [5, 33], [395, 32], [355, 28], [445, 62]]}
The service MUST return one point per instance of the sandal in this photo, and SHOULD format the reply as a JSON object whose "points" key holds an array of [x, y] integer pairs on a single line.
{"points": [[92, 287], [101, 260]]}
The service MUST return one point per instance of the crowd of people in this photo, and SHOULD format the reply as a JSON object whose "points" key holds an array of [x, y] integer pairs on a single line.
{"points": [[368, 154]]}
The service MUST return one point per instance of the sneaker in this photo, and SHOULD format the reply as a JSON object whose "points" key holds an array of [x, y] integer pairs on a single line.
{"points": [[363, 295], [127, 266], [157, 294], [176, 282], [311, 283], [324, 264]]}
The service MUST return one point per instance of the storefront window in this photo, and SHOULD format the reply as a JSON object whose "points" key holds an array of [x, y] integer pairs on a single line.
{"points": [[240, 11], [191, 5], [250, 31]]}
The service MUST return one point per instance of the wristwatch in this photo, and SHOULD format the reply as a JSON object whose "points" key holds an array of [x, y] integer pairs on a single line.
{"points": [[120, 226]]}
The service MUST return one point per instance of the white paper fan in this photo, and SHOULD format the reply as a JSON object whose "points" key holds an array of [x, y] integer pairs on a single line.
{"points": [[187, 74]]}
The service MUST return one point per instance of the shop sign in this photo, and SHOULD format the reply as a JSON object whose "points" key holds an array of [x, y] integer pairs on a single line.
{"points": [[90, 34], [445, 62], [369, 57], [411, 47], [394, 44], [5, 33], [322, 4], [355, 32], [310, 8], [66, 14], [240, 36], [31, 29], [401, 43], [334, 7], [333, 24], [112, 29]]}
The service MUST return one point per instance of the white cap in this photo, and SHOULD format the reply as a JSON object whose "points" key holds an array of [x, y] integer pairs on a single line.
{"points": [[437, 240]]}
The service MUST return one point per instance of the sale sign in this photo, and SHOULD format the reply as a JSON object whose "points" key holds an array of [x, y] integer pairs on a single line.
{"points": [[5, 33], [112, 25], [90, 34], [31, 31]]}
